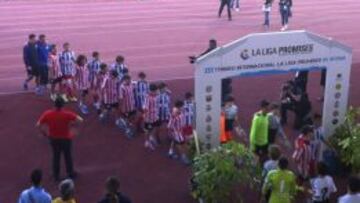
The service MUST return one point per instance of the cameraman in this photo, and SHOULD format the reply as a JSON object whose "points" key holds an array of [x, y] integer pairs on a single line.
{"points": [[288, 100]]}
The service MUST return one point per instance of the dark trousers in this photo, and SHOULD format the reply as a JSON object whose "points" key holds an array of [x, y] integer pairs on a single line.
{"points": [[261, 151], [61, 146], [267, 18], [227, 4], [44, 75], [284, 16], [284, 107], [272, 135]]}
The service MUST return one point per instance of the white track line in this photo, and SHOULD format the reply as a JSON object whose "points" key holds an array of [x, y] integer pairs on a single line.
{"points": [[154, 80]]}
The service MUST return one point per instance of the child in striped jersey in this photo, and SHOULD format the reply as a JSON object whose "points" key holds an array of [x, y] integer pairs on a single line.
{"points": [[94, 68], [151, 116], [164, 103], [98, 81], [67, 65], [141, 91], [55, 75], [176, 126], [110, 94], [188, 111], [82, 82], [120, 67], [303, 152], [127, 105]]}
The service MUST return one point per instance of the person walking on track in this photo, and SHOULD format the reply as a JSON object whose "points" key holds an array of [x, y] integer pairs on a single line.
{"points": [[226, 3]]}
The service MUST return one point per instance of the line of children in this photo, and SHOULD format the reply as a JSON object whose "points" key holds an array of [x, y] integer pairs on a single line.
{"points": [[114, 94]]}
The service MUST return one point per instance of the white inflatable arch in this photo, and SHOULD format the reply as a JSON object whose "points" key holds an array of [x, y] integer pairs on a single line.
{"points": [[263, 53]]}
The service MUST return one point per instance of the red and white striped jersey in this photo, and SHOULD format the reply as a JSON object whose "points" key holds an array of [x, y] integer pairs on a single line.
{"points": [[151, 109], [54, 66], [67, 63], [99, 79], [127, 97], [176, 126], [302, 155], [82, 77], [110, 90]]}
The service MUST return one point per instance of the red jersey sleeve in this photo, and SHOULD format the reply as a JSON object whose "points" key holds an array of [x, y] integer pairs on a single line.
{"points": [[71, 116], [44, 118]]}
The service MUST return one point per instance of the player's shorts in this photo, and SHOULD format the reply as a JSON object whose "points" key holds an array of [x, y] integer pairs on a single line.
{"points": [[229, 125], [111, 106], [84, 92], [67, 79], [178, 138], [150, 126], [129, 114], [166, 121], [56, 80], [261, 150], [188, 130]]}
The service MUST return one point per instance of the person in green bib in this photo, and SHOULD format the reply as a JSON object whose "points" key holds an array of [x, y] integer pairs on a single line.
{"points": [[281, 183], [259, 130]]}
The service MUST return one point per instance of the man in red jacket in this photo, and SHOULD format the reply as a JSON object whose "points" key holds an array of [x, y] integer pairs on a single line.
{"points": [[56, 125]]}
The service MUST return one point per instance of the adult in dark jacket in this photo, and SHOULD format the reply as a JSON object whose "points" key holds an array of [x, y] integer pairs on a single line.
{"points": [[43, 55], [226, 3], [112, 192], [301, 79], [30, 58]]}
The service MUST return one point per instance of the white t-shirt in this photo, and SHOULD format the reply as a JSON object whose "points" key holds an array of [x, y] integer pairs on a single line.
{"points": [[322, 187], [231, 112], [268, 166], [348, 198]]}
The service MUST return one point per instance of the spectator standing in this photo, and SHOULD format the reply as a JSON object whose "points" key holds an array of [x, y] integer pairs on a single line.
{"points": [[285, 6], [43, 56], [30, 57], [267, 9], [55, 124], [36, 193], [353, 195], [66, 188], [113, 195], [226, 3]]}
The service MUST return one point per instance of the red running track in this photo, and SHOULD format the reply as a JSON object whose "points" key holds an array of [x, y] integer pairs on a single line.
{"points": [[156, 36]]}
